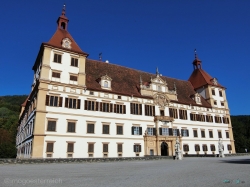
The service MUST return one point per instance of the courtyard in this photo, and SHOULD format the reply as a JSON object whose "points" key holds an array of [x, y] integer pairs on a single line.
{"points": [[198, 171]]}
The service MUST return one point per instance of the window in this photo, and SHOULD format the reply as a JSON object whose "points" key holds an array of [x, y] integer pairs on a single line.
{"points": [[90, 128], [119, 109], [222, 104], [162, 113], [105, 129], [159, 88], [212, 147], [73, 77], [53, 101], [56, 76], [106, 84], [229, 147], [213, 92], [203, 133], [195, 133], [225, 120], [105, 147], [193, 117], [74, 62], [186, 148], [201, 117], [173, 113], [57, 58], [119, 148], [119, 129], [90, 147], [175, 132], [220, 93], [197, 147], [184, 132], [151, 131], [204, 147], [71, 126], [149, 110], [106, 107], [135, 108], [51, 126], [217, 119], [136, 130], [219, 134], [50, 147], [119, 97], [70, 147], [183, 114], [137, 148], [164, 131], [215, 102], [227, 134], [210, 134], [91, 105], [72, 103], [209, 118]]}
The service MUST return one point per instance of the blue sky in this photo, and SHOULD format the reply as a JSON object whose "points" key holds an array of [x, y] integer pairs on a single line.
{"points": [[140, 34]]}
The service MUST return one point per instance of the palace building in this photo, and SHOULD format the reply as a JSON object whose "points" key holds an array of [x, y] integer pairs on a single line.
{"points": [[80, 108]]}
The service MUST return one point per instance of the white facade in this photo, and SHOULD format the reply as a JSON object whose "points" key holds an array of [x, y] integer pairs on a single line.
{"points": [[64, 117]]}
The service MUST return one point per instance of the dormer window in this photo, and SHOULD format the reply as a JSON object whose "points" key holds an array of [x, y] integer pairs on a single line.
{"points": [[197, 98], [105, 82]]}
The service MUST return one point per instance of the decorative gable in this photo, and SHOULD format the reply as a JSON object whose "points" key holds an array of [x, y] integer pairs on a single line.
{"points": [[214, 81], [105, 82], [157, 86]]}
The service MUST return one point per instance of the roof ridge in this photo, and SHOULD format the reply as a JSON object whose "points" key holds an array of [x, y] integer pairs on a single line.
{"points": [[137, 70]]}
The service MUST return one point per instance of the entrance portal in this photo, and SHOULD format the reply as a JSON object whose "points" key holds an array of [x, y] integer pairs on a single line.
{"points": [[164, 149]]}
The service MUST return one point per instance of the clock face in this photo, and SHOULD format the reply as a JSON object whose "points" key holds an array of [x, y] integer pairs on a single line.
{"points": [[66, 43]]}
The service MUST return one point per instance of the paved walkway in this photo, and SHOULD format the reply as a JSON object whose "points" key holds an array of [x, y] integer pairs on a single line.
{"points": [[230, 171]]}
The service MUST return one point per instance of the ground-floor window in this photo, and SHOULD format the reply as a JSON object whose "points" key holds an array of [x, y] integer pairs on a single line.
{"points": [[137, 148]]}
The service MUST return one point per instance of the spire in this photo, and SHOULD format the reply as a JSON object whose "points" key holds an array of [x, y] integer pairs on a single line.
{"points": [[157, 72], [140, 80], [197, 61], [62, 21], [64, 10]]}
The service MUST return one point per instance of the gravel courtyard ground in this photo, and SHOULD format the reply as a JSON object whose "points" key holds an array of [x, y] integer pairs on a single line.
{"points": [[230, 171]]}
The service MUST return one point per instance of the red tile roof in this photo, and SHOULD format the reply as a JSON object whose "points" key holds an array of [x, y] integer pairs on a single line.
{"points": [[126, 81], [59, 35], [200, 78]]}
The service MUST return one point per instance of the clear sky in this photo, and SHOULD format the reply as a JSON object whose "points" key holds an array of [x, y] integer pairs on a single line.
{"points": [[140, 34]]}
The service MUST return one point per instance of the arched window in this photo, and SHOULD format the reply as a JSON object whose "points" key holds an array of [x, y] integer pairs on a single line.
{"points": [[106, 84], [63, 25]]}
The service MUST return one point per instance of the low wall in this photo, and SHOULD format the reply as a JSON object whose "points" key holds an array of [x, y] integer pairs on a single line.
{"points": [[215, 155], [89, 160], [78, 160]]}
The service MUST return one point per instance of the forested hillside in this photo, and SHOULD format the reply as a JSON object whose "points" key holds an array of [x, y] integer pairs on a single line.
{"points": [[9, 114], [241, 131]]}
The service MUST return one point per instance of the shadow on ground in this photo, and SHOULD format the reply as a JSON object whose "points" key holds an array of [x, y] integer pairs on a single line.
{"points": [[238, 161]]}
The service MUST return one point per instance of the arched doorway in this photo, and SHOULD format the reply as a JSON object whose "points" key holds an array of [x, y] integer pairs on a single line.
{"points": [[164, 149]]}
